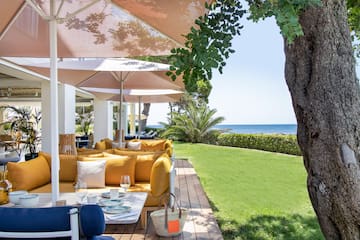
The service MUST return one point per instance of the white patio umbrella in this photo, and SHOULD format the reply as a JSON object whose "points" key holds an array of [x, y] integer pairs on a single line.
{"points": [[113, 74], [140, 96], [91, 28]]}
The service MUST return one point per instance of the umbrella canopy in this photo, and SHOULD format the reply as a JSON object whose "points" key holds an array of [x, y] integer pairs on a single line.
{"points": [[105, 72], [96, 28], [145, 95], [114, 74], [91, 28]]}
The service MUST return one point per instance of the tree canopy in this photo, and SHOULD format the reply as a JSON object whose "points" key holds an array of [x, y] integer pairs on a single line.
{"points": [[209, 44]]}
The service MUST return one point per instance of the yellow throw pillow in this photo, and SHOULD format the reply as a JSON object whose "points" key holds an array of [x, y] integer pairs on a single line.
{"points": [[159, 179], [153, 145], [143, 166], [30, 174], [118, 166], [100, 145], [68, 168], [47, 156], [108, 143]]}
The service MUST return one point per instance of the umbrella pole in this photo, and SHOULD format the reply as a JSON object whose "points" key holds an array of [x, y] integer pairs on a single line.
{"points": [[139, 118], [120, 110], [54, 130]]}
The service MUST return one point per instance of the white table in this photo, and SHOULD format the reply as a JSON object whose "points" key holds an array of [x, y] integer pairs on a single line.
{"points": [[135, 200]]}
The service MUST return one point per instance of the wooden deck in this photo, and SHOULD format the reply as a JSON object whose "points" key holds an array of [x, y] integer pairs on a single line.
{"points": [[200, 223]]}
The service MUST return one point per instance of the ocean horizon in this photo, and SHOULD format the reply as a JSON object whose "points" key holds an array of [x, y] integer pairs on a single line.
{"points": [[253, 128]]}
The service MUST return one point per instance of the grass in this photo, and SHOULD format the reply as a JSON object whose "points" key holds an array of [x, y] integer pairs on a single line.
{"points": [[254, 194]]}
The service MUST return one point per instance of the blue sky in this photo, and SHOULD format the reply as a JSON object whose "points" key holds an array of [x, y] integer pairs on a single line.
{"points": [[252, 88]]}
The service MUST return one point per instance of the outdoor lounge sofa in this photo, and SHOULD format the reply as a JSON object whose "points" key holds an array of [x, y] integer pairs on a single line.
{"points": [[137, 144], [86, 222], [149, 171]]}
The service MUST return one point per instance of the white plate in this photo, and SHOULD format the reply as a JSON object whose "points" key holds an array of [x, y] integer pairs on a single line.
{"points": [[116, 209], [107, 194], [110, 202]]}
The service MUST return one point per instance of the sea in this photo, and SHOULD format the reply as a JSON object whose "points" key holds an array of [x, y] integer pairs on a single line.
{"points": [[258, 128], [254, 128]]}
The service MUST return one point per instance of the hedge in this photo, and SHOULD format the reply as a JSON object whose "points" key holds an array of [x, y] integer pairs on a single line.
{"points": [[267, 142]]}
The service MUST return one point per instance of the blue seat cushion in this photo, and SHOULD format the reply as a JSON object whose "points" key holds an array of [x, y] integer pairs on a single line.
{"points": [[35, 219]]}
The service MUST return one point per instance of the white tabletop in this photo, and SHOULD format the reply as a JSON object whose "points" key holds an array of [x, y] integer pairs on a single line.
{"points": [[135, 200]]}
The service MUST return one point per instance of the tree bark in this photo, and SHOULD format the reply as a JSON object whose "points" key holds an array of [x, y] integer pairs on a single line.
{"points": [[320, 74], [145, 111]]}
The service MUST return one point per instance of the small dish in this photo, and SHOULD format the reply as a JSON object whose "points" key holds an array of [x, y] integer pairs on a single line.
{"points": [[110, 202], [107, 194], [29, 200], [14, 197], [116, 209]]}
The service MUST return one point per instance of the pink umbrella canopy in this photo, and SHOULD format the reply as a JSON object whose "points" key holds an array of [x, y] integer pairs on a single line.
{"points": [[134, 95], [105, 72], [91, 28], [103, 28]]}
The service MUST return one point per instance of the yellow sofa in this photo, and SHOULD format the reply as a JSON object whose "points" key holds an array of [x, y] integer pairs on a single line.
{"points": [[149, 171], [153, 145]]}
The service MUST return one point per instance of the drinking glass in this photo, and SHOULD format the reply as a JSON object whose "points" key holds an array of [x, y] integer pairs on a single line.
{"points": [[81, 190], [125, 182]]}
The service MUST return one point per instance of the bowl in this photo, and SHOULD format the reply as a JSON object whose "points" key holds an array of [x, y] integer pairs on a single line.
{"points": [[29, 200], [14, 197]]}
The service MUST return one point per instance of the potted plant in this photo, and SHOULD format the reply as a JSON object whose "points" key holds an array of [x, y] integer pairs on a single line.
{"points": [[84, 120], [24, 128]]}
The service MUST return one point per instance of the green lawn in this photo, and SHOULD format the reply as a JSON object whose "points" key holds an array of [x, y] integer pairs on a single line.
{"points": [[255, 194]]}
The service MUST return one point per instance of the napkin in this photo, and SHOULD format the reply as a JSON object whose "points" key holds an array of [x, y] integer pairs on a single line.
{"points": [[118, 217]]}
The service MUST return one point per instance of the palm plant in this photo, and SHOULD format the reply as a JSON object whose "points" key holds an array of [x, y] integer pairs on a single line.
{"points": [[193, 124], [24, 126], [85, 120]]}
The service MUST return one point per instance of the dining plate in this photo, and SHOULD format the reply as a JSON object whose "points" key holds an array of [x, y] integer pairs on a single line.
{"points": [[107, 194], [116, 209], [110, 202]]}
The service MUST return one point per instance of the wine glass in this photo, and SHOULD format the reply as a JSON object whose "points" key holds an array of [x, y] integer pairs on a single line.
{"points": [[125, 182], [81, 190]]}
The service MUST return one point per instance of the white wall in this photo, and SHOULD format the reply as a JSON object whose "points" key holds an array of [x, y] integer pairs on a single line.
{"points": [[103, 115]]}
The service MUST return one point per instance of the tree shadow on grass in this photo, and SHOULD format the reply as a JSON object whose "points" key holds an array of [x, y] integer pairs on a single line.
{"points": [[265, 227]]}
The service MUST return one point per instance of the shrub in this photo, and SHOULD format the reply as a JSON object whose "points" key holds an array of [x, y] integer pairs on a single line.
{"points": [[211, 137], [267, 142]]}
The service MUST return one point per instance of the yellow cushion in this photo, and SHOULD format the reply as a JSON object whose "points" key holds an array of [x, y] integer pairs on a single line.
{"points": [[30, 174], [68, 168], [117, 166], [63, 187], [143, 166], [125, 152], [159, 179], [100, 145], [108, 143], [85, 151], [47, 156], [153, 145], [92, 157]]}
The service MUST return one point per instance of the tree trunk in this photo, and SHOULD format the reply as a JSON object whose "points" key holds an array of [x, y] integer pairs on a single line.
{"points": [[145, 112], [320, 73]]}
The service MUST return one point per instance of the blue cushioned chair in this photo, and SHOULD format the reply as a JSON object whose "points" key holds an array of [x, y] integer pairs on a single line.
{"points": [[53, 222], [92, 222]]}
